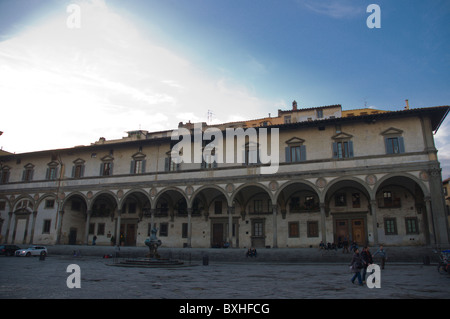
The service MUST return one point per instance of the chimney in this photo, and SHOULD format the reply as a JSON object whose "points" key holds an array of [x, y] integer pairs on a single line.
{"points": [[407, 104], [294, 106]]}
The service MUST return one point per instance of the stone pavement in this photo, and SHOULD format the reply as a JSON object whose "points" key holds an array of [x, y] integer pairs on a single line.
{"points": [[263, 278]]}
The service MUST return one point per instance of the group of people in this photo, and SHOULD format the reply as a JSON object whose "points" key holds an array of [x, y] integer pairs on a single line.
{"points": [[344, 244], [362, 260]]}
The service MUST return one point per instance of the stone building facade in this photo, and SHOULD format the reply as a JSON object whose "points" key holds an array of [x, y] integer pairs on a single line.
{"points": [[372, 178]]}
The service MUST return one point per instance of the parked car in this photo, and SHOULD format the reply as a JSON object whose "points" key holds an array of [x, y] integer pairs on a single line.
{"points": [[8, 250], [31, 251]]}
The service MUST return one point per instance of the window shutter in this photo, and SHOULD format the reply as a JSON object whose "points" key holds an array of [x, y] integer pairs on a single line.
{"points": [[82, 171], [287, 151], [143, 165], [335, 150], [111, 169], [47, 174], [132, 164], [166, 164], [401, 144], [101, 169], [24, 174], [303, 153], [73, 171], [389, 149], [350, 148]]}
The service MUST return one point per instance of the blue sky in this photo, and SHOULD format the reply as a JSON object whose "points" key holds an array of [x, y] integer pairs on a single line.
{"points": [[151, 64]]}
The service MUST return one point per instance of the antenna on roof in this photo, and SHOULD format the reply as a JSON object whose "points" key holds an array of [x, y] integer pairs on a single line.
{"points": [[210, 114]]}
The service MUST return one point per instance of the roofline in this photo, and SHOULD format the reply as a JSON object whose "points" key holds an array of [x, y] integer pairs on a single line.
{"points": [[439, 114]]}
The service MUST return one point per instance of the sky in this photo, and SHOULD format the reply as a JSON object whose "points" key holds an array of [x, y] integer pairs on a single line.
{"points": [[69, 77]]}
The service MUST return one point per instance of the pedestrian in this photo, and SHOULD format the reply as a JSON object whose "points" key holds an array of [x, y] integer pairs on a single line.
{"points": [[94, 240], [355, 266], [382, 252], [345, 244], [367, 259]]}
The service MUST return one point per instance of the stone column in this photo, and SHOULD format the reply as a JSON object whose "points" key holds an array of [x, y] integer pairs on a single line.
{"points": [[119, 215], [230, 211], [438, 210], [373, 209], [275, 233], [152, 217], [88, 219], [33, 224], [430, 222], [8, 227], [323, 226], [189, 228], [59, 227]]}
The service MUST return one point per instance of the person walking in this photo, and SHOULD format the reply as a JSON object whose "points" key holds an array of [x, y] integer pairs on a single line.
{"points": [[367, 259], [345, 245], [382, 254], [356, 266]]}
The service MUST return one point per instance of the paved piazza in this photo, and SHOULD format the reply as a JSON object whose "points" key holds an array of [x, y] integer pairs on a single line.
{"points": [[22, 277]]}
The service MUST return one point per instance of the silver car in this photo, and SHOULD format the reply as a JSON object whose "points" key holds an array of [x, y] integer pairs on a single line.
{"points": [[32, 251]]}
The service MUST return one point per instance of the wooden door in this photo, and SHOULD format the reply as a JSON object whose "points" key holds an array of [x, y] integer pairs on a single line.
{"points": [[258, 235], [358, 232], [130, 239], [342, 230], [217, 235]]}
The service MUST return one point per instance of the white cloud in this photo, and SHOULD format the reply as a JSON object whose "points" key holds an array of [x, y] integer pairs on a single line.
{"points": [[61, 87], [334, 8]]}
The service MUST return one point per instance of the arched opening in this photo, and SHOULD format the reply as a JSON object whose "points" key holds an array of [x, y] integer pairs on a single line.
{"points": [[171, 218], [255, 205], [73, 223], [212, 204], [347, 201], [300, 211], [135, 207], [402, 216]]}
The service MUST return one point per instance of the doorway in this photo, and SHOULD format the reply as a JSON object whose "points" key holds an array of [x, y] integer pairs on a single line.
{"points": [[217, 235], [258, 234], [129, 233], [72, 236], [351, 228]]}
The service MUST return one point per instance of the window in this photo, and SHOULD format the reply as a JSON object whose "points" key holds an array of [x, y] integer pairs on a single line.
{"points": [[295, 153], [294, 230], [91, 228], [4, 175], [27, 175], [387, 199], [313, 229], [340, 200], [309, 202], [51, 173], [138, 162], [287, 119], [295, 203], [390, 226], [394, 145], [184, 230], [343, 149], [78, 171], [169, 165], [218, 207], [49, 203], [356, 201], [47, 224], [411, 225], [101, 229], [319, 113], [258, 229], [257, 206], [164, 230], [106, 169]]}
